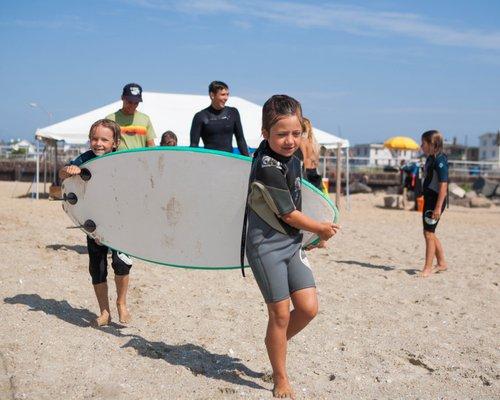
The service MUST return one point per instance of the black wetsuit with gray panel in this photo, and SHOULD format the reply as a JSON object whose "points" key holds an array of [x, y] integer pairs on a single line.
{"points": [[273, 247]]}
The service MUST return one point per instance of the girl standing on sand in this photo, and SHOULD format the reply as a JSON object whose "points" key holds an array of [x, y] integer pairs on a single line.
{"points": [[435, 191], [274, 240]]}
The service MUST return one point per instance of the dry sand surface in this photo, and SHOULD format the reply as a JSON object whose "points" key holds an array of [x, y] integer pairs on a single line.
{"points": [[381, 333]]}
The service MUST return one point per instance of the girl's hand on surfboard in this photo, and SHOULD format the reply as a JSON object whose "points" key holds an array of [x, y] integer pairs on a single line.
{"points": [[321, 245], [327, 230]]}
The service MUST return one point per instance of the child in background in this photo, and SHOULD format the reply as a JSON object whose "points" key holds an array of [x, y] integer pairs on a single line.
{"points": [[435, 190], [169, 138], [274, 241], [310, 151], [104, 138]]}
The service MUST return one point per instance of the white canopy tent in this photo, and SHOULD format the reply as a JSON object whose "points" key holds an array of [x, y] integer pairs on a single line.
{"points": [[173, 112]]}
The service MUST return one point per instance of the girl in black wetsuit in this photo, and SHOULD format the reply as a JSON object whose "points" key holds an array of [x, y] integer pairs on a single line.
{"points": [[435, 190], [274, 238]]}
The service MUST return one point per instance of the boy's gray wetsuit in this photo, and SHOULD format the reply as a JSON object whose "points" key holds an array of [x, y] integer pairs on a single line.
{"points": [[274, 248]]}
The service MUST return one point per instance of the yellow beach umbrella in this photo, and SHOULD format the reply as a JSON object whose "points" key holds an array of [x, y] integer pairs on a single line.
{"points": [[401, 143]]}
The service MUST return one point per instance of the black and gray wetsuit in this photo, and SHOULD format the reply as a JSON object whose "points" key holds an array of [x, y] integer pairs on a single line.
{"points": [[435, 172], [216, 129], [273, 247]]}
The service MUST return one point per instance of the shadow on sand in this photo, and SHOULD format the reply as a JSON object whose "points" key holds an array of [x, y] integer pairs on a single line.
{"points": [[193, 357], [375, 266], [76, 248], [393, 208]]}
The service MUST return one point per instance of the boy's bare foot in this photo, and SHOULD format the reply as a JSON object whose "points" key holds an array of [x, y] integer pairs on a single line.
{"points": [[123, 314], [426, 272], [101, 320], [282, 389]]}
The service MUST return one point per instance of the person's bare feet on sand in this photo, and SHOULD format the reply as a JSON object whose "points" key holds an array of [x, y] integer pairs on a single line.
{"points": [[426, 272], [123, 314], [440, 267], [101, 320], [282, 389]]}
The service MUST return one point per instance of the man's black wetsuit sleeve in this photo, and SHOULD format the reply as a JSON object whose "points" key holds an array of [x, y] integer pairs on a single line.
{"points": [[196, 127], [238, 133]]}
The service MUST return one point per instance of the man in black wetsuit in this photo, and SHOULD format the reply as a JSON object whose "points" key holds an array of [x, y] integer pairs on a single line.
{"points": [[217, 124]]}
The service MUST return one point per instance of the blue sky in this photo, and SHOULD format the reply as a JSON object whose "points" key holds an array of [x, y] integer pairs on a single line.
{"points": [[369, 69]]}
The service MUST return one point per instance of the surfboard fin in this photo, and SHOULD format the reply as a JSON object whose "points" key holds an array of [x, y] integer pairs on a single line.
{"points": [[71, 198], [89, 226]]}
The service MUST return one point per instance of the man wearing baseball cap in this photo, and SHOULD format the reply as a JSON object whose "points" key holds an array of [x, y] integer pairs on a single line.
{"points": [[136, 128], [136, 131]]}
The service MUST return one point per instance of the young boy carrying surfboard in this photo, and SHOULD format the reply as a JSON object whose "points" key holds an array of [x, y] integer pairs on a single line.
{"points": [[104, 138], [273, 239]]}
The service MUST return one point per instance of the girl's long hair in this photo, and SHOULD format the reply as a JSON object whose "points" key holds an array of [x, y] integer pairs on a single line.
{"points": [[435, 139], [308, 130]]}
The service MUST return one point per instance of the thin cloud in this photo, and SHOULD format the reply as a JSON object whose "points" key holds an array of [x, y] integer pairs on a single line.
{"points": [[353, 20], [438, 110], [242, 24], [64, 22]]}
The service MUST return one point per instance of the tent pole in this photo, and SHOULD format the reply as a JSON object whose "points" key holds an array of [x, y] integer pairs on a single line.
{"points": [[55, 163], [347, 172], [338, 175], [37, 167], [45, 168]]}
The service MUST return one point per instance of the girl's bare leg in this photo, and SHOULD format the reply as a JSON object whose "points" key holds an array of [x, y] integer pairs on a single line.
{"points": [[442, 265], [430, 253], [305, 308], [276, 344]]}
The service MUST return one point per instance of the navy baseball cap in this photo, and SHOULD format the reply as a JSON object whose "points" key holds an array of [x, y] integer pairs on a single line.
{"points": [[132, 92]]}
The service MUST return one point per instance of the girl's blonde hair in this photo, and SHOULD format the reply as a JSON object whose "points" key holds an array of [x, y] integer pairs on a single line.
{"points": [[107, 123], [435, 139], [308, 130]]}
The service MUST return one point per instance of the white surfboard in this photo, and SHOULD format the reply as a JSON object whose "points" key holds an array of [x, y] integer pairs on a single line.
{"points": [[176, 206]]}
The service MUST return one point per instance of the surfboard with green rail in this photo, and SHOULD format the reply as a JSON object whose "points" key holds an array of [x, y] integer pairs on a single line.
{"points": [[175, 206]]}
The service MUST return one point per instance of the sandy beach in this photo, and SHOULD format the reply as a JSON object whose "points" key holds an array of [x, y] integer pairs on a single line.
{"points": [[381, 333]]}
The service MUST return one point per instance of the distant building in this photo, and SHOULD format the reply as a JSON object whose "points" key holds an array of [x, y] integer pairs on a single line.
{"points": [[456, 151], [4, 150], [375, 154], [489, 147], [24, 146]]}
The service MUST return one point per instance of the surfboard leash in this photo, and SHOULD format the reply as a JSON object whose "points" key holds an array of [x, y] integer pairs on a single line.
{"points": [[244, 239]]}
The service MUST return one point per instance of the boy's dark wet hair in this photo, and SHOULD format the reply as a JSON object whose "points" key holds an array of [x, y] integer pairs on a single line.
{"points": [[215, 86], [167, 137], [435, 140], [107, 123], [278, 107]]}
